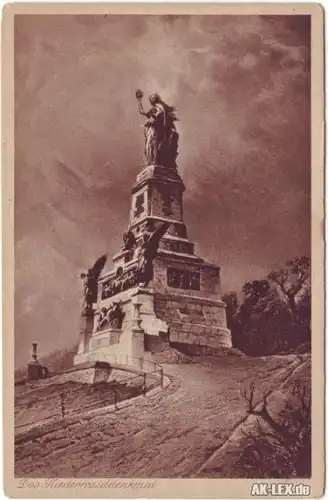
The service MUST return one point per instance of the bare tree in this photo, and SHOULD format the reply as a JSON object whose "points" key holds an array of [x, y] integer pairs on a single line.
{"points": [[288, 440], [292, 281], [248, 395]]}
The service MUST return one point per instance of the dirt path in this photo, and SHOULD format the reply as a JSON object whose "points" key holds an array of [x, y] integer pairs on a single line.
{"points": [[171, 434]]}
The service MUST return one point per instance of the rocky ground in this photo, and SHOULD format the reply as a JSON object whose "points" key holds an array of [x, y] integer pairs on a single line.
{"points": [[178, 432]]}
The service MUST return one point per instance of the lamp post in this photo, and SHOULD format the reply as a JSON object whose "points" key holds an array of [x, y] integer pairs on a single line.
{"points": [[34, 352]]}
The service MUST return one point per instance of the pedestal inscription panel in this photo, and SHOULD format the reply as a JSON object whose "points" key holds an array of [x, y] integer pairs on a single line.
{"points": [[179, 278]]}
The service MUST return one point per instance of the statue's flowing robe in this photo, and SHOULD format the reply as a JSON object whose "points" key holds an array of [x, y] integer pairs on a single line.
{"points": [[160, 135]]}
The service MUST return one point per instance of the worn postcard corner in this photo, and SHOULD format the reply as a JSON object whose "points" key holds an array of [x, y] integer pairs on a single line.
{"points": [[162, 213]]}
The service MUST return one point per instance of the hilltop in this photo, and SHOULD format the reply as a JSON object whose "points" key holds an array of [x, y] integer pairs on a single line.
{"points": [[193, 428]]}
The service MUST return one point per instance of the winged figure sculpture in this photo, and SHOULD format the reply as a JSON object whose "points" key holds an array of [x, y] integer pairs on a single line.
{"points": [[90, 279], [148, 252]]}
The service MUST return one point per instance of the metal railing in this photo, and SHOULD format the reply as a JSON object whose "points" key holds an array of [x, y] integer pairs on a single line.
{"points": [[128, 362], [140, 383]]}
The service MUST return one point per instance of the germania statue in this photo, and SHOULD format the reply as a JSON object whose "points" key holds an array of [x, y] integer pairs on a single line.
{"points": [[161, 136]]}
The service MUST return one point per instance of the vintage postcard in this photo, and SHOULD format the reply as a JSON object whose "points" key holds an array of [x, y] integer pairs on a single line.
{"points": [[163, 250]]}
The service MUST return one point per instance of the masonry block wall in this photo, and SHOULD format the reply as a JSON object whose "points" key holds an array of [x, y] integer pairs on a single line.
{"points": [[193, 320]]}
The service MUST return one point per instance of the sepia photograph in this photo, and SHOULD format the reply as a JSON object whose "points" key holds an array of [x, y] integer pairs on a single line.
{"points": [[163, 253]]}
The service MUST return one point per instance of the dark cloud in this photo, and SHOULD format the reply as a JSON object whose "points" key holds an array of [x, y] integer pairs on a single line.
{"points": [[242, 88]]}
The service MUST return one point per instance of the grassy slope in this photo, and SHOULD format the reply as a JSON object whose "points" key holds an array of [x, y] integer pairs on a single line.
{"points": [[42, 404], [173, 433], [229, 460]]}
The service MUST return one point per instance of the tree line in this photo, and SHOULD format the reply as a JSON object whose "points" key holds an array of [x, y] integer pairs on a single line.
{"points": [[272, 314]]}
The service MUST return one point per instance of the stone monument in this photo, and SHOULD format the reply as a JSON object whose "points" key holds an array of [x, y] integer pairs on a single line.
{"points": [[35, 370], [159, 293]]}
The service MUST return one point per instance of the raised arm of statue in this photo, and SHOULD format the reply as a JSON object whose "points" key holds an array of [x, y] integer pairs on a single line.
{"points": [[141, 108], [139, 96], [148, 114]]}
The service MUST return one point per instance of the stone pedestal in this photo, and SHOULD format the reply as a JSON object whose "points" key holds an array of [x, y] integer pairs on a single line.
{"points": [[35, 371], [137, 344], [86, 328], [181, 304], [150, 323]]}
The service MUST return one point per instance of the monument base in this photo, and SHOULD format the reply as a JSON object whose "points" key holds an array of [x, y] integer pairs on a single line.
{"points": [[153, 321], [180, 302], [36, 371], [194, 320]]}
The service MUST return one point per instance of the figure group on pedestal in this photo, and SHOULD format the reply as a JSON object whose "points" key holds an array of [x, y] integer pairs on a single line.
{"points": [[144, 252], [161, 148], [111, 316], [122, 281]]}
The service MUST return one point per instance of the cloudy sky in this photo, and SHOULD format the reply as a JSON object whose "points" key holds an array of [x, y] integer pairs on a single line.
{"points": [[241, 85]]}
